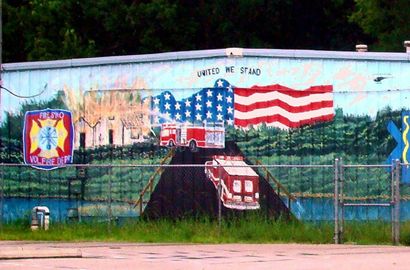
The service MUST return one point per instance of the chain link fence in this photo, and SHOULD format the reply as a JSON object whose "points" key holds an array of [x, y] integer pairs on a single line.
{"points": [[117, 192], [76, 191]]}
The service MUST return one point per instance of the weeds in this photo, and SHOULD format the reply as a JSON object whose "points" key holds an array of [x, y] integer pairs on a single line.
{"points": [[251, 229]]}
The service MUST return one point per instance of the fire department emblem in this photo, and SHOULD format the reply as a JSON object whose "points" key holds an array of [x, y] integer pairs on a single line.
{"points": [[48, 138]]}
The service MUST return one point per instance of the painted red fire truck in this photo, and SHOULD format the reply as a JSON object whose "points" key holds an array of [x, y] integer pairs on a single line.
{"points": [[193, 136], [239, 183]]}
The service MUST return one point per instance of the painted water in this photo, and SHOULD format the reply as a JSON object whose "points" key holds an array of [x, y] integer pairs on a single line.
{"points": [[309, 209], [318, 209], [20, 208]]}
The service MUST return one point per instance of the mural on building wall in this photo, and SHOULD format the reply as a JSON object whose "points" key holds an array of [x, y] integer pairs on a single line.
{"points": [[123, 117], [278, 110], [48, 138], [118, 107], [239, 185], [201, 117], [118, 117], [402, 138]]}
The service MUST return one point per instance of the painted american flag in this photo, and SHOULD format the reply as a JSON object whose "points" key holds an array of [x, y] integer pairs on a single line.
{"points": [[273, 105], [210, 105]]}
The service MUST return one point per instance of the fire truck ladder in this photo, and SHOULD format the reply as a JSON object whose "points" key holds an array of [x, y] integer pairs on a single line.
{"points": [[279, 186], [150, 184]]}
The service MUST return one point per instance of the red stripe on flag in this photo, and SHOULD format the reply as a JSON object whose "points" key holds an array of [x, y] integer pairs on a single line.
{"points": [[282, 120], [284, 105], [246, 92]]}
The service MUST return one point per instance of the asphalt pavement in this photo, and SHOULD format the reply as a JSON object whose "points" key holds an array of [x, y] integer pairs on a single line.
{"points": [[89, 255]]}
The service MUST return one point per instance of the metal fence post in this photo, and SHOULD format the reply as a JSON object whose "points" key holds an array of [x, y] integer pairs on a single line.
{"points": [[336, 201], [392, 200], [341, 200], [1, 195], [397, 204], [109, 198], [141, 202], [219, 198], [141, 191]]}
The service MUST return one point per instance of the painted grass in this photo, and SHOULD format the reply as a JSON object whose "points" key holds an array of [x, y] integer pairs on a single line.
{"points": [[249, 230]]}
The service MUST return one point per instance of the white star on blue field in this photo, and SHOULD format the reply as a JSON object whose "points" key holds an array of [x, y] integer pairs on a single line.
{"points": [[209, 105]]}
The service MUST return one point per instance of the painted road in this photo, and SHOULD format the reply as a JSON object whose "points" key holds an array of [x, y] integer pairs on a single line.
{"points": [[227, 257]]}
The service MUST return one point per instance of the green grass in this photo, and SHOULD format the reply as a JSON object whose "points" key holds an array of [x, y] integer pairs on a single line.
{"points": [[245, 230]]}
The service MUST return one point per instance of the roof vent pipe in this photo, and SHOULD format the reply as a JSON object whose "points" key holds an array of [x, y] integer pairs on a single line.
{"points": [[407, 45], [361, 48], [234, 52]]}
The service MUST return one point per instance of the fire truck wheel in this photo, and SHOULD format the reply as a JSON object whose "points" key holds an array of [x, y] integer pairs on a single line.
{"points": [[171, 143], [192, 146]]}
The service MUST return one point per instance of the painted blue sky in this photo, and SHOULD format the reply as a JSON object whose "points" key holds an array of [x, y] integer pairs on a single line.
{"points": [[360, 87]]}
